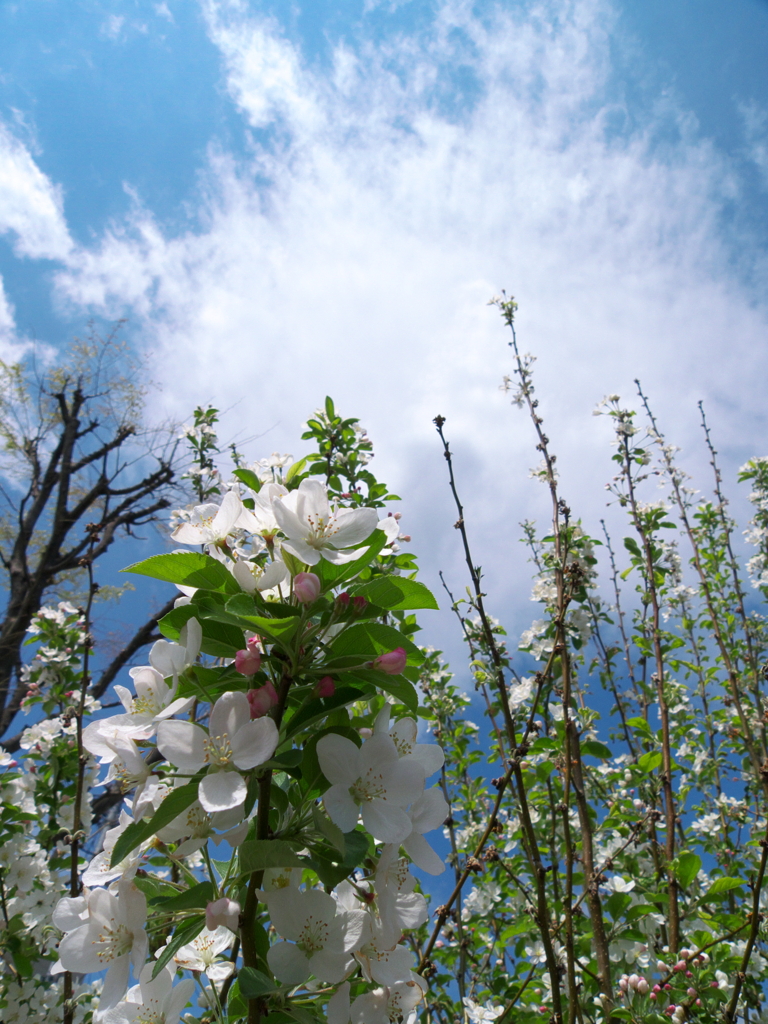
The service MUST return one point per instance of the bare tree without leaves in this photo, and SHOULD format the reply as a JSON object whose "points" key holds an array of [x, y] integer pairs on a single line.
{"points": [[79, 470]]}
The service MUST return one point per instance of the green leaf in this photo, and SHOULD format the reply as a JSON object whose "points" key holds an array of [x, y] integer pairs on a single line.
{"points": [[171, 624], [220, 639], [249, 478], [721, 885], [617, 903], [237, 1008], [191, 899], [366, 640], [260, 854], [639, 910], [240, 610], [190, 568], [649, 762], [302, 1016], [322, 706], [543, 743], [245, 605], [398, 686], [182, 936], [254, 984], [631, 545], [355, 848], [295, 470], [154, 887], [595, 749], [177, 801], [641, 725], [332, 865], [135, 834], [397, 593], [286, 759], [688, 866]]}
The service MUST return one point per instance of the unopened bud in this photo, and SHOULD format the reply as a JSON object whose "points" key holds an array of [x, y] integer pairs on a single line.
{"points": [[261, 700], [393, 662], [306, 587], [642, 987], [325, 687], [248, 662], [223, 912]]}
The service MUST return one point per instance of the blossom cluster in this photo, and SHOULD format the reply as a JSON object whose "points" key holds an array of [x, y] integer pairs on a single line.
{"points": [[206, 754]]}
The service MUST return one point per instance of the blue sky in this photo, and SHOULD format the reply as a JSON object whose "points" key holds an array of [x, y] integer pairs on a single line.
{"points": [[294, 199]]}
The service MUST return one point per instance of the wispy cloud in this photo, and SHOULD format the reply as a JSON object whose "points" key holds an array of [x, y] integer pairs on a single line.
{"points": [[756, 133], [387, 196], [31, 205]]}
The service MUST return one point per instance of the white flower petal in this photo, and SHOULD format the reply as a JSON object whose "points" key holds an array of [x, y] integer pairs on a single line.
{"points": [[385, 821], [337, 1010], [255, 742], [422, 854], [182, 743], [339, 759], [327, 965], [230, 713], [288, 963], [341, 808], [429, 811], [221, 791]]}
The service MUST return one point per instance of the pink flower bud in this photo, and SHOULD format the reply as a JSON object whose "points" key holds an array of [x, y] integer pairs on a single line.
{"points": [[653, 996], [690, 991], [325, 687], [633, 980], [248, 662], [642, 987], [359, 603], [306, 587], [393, 662], [623, 984], [262, 700], [223, 912]]}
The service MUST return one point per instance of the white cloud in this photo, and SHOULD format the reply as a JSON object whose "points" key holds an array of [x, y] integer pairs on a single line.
{"points": [[393, 210], [31, 206], [756, 132], [12, 347], [112, 26]]}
